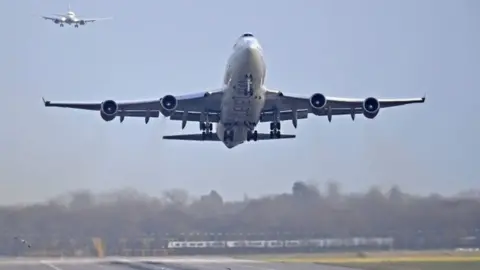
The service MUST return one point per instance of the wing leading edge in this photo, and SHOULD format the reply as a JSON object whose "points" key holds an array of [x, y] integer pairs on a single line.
{"points": [[168, 105], [321, 105]]}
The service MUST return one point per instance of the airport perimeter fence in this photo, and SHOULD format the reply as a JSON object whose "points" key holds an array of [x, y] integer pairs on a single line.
{"points": [[218, 243]]}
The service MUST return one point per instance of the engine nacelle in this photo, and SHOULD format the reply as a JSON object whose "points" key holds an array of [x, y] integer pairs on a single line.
{"points": [[371, 107], [169, 104], [108, 110], [318, 102], [82, 22], [57, 21]]}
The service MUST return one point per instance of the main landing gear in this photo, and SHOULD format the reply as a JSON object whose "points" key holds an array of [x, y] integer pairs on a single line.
{"points": [[275, 130], [206, 129], [61, 25]]}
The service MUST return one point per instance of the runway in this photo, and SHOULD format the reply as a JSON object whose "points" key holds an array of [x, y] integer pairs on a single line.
{"points": [[164, 263]]}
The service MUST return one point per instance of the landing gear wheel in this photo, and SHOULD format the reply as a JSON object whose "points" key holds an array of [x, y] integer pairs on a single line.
{"points": [[210, 126], [204, 135], [278, 134], [202, 126], [228, 135], [252, 136], [61, 25]]}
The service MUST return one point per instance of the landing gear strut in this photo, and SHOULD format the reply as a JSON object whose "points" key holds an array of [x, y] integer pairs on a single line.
{"points": [[61, 25], [206, 129], [275, 130], [252, 135]]}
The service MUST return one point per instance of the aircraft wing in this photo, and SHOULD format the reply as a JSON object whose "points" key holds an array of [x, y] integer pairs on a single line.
{"points": [[50, 18], [200, 137], [328, 106], [204, 101], [91, 20]]}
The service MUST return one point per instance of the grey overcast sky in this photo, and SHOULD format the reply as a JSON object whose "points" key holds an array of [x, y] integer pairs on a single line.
{"points": [[396, 48]]}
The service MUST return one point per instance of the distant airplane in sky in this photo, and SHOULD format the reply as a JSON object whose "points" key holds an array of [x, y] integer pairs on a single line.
{"points": [[240, 104], [71, 18]]}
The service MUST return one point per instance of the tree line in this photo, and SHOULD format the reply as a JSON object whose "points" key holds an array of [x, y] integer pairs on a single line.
{"points": [[125, 216]]}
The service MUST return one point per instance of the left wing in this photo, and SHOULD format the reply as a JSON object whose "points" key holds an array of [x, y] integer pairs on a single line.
{"points": [[320, 105], [168, 105], [91, 20]]}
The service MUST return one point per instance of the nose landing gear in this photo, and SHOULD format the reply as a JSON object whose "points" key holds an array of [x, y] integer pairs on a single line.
{"points": [[228, 135]]}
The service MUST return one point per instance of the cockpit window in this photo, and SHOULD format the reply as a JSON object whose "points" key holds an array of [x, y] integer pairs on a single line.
{"points": [[247, 35]]}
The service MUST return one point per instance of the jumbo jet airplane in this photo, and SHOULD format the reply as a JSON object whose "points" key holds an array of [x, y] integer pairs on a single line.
{"points": [[71, 18], [240, 104]]}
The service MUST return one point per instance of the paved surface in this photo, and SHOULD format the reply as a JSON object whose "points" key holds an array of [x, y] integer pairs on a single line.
{"points": [[167, 263]]}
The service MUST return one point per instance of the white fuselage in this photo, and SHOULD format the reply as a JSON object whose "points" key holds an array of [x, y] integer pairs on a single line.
{"points": [[70, 18], [244, 91]]}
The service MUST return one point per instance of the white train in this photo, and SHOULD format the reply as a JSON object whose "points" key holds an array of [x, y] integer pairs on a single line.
{"points": [[304, 243]]}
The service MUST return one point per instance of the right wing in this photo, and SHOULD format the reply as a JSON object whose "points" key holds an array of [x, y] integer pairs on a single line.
{"points": [[168, 105], [201, 137]]}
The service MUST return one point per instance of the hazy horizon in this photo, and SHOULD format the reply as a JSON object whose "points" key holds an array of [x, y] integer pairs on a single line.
{"points": [[385, 49]]}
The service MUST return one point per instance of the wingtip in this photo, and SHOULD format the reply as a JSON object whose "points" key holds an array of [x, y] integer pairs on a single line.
{"points": [[45, 102], [424, 97]]}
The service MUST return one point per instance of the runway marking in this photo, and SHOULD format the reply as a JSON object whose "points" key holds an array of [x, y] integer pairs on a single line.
{"points": [[50, 265]]}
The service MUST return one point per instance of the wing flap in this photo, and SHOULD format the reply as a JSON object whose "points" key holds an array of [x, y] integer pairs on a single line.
{"points": [[284, 116], [195, 116], [154, 114]]}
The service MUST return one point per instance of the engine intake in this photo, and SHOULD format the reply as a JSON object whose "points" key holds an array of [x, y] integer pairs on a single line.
{"points": [[108, 110], [318, 102], [169, 104], [371, 107]]}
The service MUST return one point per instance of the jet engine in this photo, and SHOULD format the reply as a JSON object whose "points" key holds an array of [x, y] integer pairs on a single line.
{"points": [[318, 102], [169, 104], [108, 110], [82, 22], [371, 107], [57, 21]]}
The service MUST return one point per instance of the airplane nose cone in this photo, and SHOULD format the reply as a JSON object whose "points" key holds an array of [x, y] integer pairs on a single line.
{"points": [[251, 53]]}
